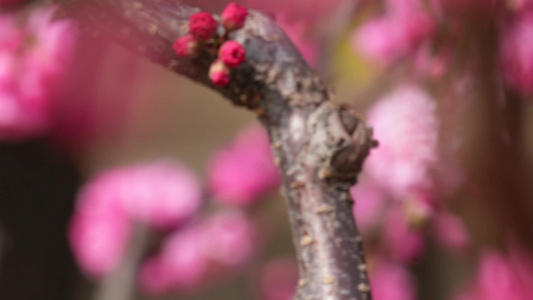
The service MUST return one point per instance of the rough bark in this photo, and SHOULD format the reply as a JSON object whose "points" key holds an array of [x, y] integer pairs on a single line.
{"points": [[318, 146]]}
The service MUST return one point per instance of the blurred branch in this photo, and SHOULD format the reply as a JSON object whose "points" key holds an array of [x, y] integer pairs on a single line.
{"points": [[502, 168], [320, 147], [121, 283]]}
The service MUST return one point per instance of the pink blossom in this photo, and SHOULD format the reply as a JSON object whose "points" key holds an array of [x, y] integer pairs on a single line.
{"points": [[520, 5], [517, 54], [418, 210], [497, 280], [232, 54], [99, 229], [234, 16], [155, 278], [450, 230], [186, 46], [414, 28], [30, 72], [403, 242], [522, 260], [161, 195], [229, 238], [202, 25], [430, 64], [378, 41], [219, 73], [98, 242], [242, 172], [370, 201], [180, 265], [398, 33], [279, 279], [206, 251], [11, 36], [391, 281], [406, 127], [501, 278]]}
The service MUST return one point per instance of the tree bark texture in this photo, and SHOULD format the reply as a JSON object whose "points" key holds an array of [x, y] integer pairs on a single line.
{"points": [[319, 146]]}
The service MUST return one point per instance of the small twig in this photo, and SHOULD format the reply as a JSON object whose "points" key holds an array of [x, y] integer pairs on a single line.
{"points": [[121, 283]]}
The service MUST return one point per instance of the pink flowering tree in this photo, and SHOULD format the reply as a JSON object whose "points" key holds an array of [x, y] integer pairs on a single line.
{"points": [[425, 195]]}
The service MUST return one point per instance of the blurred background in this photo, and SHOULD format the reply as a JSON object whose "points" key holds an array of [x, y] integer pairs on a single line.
{"points": [[121, 180]]}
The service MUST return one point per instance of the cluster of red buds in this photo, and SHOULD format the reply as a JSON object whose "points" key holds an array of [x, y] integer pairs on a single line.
{"points": [[203, 35]]}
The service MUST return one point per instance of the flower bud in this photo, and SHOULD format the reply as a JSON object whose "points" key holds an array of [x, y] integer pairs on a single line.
{"points": [[186, 46], [234, 16], [232, 54], [202, 25], [219, 73]]}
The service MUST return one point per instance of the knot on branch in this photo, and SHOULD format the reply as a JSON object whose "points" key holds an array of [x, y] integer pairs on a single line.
{"points": [[340, 143]]}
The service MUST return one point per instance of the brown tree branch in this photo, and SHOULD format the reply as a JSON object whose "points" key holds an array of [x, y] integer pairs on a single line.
{"points": [[319, 146]]}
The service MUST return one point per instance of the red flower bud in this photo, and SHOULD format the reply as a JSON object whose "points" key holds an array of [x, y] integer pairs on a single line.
{"points": [[219, 73], [186, 46], [233, 16], [232, 54], [202, 25]]}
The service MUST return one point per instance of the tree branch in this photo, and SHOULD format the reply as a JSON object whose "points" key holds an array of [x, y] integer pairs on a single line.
{"points": [[319, 146], [120, 284]]}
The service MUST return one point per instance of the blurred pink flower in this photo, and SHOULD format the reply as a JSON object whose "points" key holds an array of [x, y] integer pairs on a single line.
{"points": [[400, 32], [430, 64], [181, 264], [391, 281], [244, 171], [450, 230], [161, 195], [377, 40], [279, 279], [418, 210], [522, 260], [406, 127], [520, 5], [33, 59], [99, 229], [155, 278], [501, 278], [98, 242], [403, 242], [229, 238], [497, 280], [370, 203], [207, 251], [517, 54], [11, 35]]}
